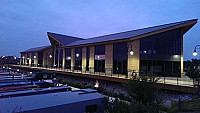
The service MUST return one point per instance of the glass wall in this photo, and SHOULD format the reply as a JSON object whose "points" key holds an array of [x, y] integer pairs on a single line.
{"points": [[27, 59], [56, 55], [161, 53], [87, 58], [120, 57], [32, 59], [99, 61], [68, 58], [60, 58], [40, 59], [78, 58]]}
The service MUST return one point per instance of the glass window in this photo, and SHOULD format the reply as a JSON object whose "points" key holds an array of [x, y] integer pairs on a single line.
{"points": [[40, 59], [78, 58], [32, 59], [87, 58], [99, 61], [68, 58], [160, 53], [120, 57]]}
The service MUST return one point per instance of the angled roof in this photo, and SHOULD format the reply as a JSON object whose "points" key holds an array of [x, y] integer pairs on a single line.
{"points": [[127, 34], [36, 49], [63, 39]]}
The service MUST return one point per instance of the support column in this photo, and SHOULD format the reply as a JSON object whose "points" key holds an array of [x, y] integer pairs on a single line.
{"points": [[72, 58], [30, 58], [36, 59], [91, 60], [108, 58], [21, 59], [134, 60], [181, 54], [84, 58], [63, 65]]}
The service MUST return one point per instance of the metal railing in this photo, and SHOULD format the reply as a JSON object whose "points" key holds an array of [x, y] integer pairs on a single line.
{"points": [[182, 81]]}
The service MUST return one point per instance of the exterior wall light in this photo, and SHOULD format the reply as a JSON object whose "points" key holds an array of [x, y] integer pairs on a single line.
{"points": [[68, 58], [27, 58], [23, 57], [131, 52], [50, 56], [195, 50], [77, 55], [34, 56], [130, 46]]}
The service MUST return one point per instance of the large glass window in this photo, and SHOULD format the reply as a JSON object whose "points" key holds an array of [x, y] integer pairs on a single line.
{"points": [[27, 60], [56, 56], [99, 62], [68, 58], [40, 59], [78, 59], [120, 57], [60, 58], [32, 59], [161, 53], [87, 58]]}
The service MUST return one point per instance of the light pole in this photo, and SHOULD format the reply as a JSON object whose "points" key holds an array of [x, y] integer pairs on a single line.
{"points": [[130, 46], [195, 50]]}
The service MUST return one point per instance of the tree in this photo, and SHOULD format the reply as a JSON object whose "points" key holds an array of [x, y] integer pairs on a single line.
{"points": [[144, 93], [193, 70]]}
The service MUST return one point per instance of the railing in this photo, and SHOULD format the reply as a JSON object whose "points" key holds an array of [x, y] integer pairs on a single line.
{"points": [[182, 81]]}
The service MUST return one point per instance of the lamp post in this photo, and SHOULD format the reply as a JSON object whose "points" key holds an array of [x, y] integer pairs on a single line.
{"points": [[130, 46], [195, 50]]}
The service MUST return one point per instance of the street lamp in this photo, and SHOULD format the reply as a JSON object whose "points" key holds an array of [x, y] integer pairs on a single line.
{"points": [[130, 46], [195, 50]]}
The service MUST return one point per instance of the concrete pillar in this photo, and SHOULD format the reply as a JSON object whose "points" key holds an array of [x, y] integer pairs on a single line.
{"points": [[182, 55], [134, 60], [72, 58], [91, 60], [21, 59], [35, 59], [84, 49], [30, 58], [63, 65], [108, 58]]}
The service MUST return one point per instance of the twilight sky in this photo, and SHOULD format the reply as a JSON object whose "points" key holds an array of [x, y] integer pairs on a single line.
{"points": [[24, 23]]}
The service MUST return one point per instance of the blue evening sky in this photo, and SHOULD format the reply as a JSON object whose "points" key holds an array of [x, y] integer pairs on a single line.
{"points": [[24, 23]]}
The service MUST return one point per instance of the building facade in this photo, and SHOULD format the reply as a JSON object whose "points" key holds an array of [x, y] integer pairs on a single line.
{"points": [[157, 49]]}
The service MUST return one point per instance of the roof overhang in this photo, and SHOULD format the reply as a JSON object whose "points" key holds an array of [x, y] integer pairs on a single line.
{"points": [[37, 50], [53, 40], [184, 26]]}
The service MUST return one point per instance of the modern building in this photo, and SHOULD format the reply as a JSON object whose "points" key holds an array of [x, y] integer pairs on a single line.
{"points": [[157, 49]]}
